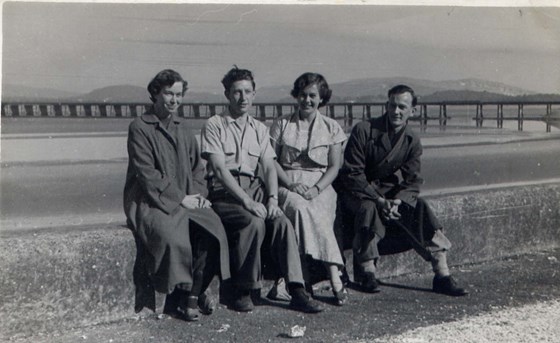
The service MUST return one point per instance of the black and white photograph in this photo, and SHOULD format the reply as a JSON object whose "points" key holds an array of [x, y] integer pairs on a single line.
{"points": [[381, 171]]}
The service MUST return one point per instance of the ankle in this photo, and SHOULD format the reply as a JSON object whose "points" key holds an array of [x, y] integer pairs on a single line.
{"points": [[336, 283]]}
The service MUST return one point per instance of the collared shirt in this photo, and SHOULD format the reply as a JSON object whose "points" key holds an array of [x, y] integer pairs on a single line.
{"points": [[242, 146], [298, 148]]}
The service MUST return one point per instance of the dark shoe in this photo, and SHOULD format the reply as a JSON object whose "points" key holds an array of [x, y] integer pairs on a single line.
{"points": [[189, 312], [206, 303], [243, 302], [340, 297], [302, 302], [368, 283], [447, 285]]}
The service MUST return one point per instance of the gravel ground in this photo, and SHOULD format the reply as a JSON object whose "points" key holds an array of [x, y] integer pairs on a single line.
{"points": [[526, 324], [516, 299]]}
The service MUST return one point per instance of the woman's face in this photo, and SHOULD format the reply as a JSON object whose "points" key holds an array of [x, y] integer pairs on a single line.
{"points": [[169, 99], [309, 100]]}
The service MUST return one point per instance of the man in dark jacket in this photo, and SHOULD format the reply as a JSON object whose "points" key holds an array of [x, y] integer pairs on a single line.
{"points": [[380, 182]]}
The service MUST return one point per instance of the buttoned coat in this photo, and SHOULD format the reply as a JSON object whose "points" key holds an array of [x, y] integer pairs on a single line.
{"points": [[164, 166]]}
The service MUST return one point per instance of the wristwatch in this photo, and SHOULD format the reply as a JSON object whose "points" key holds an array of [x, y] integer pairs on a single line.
{"points": [[273, 196]]}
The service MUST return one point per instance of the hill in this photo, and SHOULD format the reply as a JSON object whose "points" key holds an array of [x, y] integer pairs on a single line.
{"points": [[128, 93], [23, 93], [360, 90]]}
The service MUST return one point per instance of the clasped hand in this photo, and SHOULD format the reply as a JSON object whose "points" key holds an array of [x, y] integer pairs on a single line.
{"points": [[390, 209], [195, 201], [306, 192]]}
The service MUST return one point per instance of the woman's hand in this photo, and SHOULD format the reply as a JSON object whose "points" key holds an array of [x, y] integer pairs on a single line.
{"points": [[298, 188], [195, 201], [311, 193]]}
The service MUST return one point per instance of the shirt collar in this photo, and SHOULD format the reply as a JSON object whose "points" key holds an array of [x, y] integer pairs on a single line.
{"points": [[228, 119]]}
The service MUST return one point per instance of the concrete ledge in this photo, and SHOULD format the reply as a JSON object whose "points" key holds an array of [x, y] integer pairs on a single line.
{"points": [[65, 278]]}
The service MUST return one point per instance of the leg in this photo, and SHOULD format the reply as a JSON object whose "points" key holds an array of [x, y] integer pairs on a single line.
{"points": [[245, 233], [206, 258], [281, 242], [368, 230], [338, 289], [425, 234]]}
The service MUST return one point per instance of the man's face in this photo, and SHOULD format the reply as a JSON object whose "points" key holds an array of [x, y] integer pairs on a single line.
{"points": [[240, 96], [169, 99], [399, 109]]}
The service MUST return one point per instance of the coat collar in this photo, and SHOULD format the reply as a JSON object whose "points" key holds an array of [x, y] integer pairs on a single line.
{"points": [[319, 132], [150, 117], [385, 128]]}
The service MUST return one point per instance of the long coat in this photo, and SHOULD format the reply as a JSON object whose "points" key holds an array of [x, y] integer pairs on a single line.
{"points": [[164, 166]]}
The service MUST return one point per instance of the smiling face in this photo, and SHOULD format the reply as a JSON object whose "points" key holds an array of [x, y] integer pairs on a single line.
{"points": [[168, 100], [308, 100], [399, 109], [241, 95]]}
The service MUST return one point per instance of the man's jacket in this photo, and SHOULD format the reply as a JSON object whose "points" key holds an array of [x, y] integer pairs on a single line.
{"points": [[374, 167]]}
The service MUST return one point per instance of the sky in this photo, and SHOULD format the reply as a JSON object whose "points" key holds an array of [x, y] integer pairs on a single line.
{"points": [[79, 47]]}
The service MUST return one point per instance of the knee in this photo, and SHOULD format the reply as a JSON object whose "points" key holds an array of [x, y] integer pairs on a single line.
{"points": [[367, 206], [255, 226]]}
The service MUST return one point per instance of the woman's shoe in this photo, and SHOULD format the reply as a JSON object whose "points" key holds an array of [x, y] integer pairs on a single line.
{"points": [[206, 303], [341, 296], [189, 312]]}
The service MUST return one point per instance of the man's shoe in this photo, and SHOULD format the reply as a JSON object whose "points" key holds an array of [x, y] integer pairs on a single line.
{"points": [[368, 283], [243, 302], [302, 302], [447, 285]]}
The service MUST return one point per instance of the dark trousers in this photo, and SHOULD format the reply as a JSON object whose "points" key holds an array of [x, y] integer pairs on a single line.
{"points": [[418, 229], [251, 237]]}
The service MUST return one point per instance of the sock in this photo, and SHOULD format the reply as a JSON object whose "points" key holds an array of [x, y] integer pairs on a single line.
{"points": [[368, 266], [439, 263]]}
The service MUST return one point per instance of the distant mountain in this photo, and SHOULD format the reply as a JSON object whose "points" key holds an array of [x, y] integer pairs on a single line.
{"points": [[128, 93], [24, 93], [360, 90]]}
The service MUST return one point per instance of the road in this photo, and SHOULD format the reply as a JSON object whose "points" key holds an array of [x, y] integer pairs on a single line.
{"points": [[52, 194]]}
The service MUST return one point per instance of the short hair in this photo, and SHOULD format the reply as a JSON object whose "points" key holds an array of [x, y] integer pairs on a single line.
{"points": [[400, 89], [308, 79], [165, 78], [235, 74]]}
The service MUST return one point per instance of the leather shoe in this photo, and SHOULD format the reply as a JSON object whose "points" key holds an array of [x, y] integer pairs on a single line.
{"points": [[448, 286], [368, 283], [207, 303], [243, 302], [302, 302]]}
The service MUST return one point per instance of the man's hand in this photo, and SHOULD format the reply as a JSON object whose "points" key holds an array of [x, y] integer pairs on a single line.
{"points": [[195, 201], [255, 208], [389, 208], [273, 211]]}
